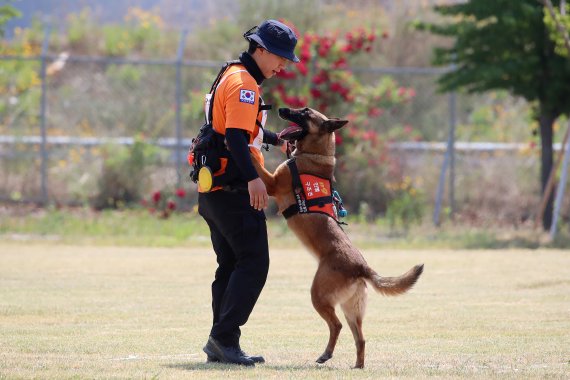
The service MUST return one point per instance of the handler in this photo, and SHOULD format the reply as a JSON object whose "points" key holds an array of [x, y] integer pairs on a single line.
{"points": [[236, 219]]}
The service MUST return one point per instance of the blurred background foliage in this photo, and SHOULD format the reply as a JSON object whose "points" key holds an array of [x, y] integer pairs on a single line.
{"points": [[101, 99]]}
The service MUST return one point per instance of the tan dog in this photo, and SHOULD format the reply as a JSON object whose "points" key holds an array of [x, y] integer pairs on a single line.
{"points": [[342, 272]]}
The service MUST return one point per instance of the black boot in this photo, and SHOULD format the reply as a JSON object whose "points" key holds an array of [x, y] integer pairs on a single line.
{"points": [[255, 359], [228, 355]]}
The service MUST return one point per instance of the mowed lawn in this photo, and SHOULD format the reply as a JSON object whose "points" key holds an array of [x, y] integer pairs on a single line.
{"points": [[116, 312]]}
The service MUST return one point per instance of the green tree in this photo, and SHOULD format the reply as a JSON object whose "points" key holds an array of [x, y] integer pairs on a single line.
{"points": [[7, 12], [503, 44], [559, 23]]}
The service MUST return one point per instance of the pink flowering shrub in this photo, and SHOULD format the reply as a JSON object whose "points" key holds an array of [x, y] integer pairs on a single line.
{"points": [[164, 202], [323, 80]]}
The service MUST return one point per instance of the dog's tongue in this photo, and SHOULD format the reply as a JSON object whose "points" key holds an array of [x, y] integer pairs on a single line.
{"points": [[290, 130]]}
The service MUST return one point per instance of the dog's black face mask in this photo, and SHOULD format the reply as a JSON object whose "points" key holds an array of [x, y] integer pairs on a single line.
{"points": [[301, 127], [307, 121]]}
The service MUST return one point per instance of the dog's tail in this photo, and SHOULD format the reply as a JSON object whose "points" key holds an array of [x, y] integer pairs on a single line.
{"points": [[393, 286]]}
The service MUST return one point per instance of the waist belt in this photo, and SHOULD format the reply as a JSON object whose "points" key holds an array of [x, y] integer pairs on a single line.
{"points": [[313, 194]]}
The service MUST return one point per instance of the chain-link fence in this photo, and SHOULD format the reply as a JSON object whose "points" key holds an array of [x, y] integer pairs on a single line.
{"points": [[85, 115]]}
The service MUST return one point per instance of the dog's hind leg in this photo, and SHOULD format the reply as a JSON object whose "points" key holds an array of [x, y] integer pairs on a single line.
{"points": [[354, 309], [328, 314], [325, 308]]}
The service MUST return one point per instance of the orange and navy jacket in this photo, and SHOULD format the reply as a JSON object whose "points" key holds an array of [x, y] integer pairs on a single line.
{"points": [[237, 105]]}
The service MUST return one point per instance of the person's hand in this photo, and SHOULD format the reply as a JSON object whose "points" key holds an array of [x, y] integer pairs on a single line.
{"points": [[284, 145], [257, 194]]}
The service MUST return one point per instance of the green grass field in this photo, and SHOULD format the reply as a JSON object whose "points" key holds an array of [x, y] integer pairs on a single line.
{"points": [[77, 311], [137, 227]]}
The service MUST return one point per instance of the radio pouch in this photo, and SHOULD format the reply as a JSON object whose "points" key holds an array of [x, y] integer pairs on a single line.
{"points": [[205, 151]]}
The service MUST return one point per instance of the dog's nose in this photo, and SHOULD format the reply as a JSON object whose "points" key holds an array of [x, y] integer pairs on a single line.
{"points": [[284, 111]]}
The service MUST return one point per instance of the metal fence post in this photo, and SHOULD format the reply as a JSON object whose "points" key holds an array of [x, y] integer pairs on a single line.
{"points": [[451, 148], [179, 61], [560, 189], [43, 132], [448, 160]]}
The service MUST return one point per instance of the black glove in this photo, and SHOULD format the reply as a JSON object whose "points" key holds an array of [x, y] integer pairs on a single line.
{"points": [[271, 138]]}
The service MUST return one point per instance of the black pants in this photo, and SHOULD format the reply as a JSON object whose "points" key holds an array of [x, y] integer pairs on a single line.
{"points": [[239, 238]]}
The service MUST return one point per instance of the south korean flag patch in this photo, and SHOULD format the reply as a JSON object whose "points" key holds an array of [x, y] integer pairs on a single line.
{"points": [[247, 96]]}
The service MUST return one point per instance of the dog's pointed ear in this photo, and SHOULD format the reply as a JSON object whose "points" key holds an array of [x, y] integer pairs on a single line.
{"points": [[333, 124]]}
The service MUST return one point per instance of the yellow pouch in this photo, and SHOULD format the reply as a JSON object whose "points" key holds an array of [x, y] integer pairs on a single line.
{"points": [[205, 179]]}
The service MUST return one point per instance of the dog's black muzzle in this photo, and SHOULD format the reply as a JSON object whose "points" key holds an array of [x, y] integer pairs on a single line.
{"points": [[297, 117]]}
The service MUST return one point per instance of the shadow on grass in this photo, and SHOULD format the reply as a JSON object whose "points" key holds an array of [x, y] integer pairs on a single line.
{"points": [[203, 366]]}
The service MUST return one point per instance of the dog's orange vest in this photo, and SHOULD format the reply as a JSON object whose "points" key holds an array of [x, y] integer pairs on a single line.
{"points": [[312, 194]]}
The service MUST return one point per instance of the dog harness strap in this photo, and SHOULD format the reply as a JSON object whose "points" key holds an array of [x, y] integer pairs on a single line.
{"points": [[294, 174], [299, 206], [319, 202], [291, 210]]}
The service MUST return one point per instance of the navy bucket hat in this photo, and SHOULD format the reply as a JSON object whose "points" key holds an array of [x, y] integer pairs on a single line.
{"points": [[275, 37]]}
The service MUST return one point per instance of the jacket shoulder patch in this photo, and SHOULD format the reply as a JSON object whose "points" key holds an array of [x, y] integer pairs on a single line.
{"points": [[247, 96]]}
